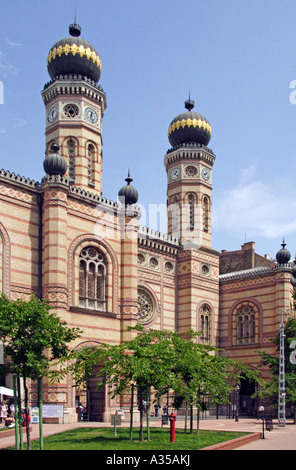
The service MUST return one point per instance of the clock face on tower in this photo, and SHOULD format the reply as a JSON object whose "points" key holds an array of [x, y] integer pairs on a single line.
{"points": [[205, 174], [52, 115], [91, 115], [175, 173]]}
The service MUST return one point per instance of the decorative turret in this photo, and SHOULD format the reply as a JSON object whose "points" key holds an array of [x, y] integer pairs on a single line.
{"points": [[54, 164], [128, 194], [283, 256]]}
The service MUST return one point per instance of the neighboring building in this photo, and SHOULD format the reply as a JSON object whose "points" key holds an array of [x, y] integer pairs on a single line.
{"points": [[101, 271]]}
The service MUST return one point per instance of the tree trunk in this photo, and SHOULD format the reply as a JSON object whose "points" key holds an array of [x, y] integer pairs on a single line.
{"points": [[148, 412], [27, 415], [141, 413]]}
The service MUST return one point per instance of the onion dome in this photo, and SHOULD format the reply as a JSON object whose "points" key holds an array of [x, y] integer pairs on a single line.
{"points": [[294, 268], [74, 56], [283, 256], [55, 164], [128, 194], [189, 127]]}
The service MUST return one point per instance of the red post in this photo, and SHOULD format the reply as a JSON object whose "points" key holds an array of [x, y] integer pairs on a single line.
{"points": [[172, 426]]}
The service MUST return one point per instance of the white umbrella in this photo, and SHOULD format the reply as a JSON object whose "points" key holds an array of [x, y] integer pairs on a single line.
{"points": [[6, 391]]}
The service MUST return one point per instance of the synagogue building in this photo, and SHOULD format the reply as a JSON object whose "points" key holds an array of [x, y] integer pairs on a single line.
{"points": [[61, 239]]}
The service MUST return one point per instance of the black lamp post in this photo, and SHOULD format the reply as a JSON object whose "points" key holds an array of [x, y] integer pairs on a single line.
{"points": [[237, 389]]}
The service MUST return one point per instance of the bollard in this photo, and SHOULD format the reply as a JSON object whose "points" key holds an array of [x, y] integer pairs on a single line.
{"points": [[172, 427]]}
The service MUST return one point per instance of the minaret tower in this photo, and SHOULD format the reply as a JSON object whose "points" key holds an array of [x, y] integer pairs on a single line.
{"points": [[75, 106], [189, 169]]}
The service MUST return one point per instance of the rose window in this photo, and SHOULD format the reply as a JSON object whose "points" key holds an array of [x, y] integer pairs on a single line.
{"points": [[145, 306], [71, 110]]}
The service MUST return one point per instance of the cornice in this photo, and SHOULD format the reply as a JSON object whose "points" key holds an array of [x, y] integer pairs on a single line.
{"points": [[259, 271], [19, 181], [190, 152], [75, 85]]}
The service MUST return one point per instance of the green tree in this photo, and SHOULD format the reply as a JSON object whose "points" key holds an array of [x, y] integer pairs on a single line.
{"points": [[162, 360], [33, 338], [270, 391]]}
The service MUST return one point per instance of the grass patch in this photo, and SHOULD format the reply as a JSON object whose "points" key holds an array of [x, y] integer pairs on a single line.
{"points": [[104, 439]]}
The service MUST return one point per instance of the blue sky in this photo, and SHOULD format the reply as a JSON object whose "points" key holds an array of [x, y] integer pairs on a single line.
{"points": [[237, 58]]}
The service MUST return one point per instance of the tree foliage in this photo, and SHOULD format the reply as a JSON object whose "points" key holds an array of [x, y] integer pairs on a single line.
{"points": [[163, 360], [33, 338]]}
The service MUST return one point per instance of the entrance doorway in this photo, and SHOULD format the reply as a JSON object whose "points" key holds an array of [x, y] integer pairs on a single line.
{"points": [[96, 400], [92, 399], [247, 404]]}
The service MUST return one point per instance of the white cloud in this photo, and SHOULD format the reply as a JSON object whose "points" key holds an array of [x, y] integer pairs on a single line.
{"points": [[18, 122], [256, 207], [13, 43], [5, 67]]}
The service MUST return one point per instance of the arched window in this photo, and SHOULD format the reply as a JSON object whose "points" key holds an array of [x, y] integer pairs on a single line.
{"points": [[71, 158], [204, 322], [246, 324], [191, 201], [175, 216], [92, 279], [91, 162], [205, 211]]}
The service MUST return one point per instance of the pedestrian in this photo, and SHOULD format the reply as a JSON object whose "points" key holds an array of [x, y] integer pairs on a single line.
{"points": [[260, 412], [11, 409], [80, 411], [3, 412], [156, 409]]}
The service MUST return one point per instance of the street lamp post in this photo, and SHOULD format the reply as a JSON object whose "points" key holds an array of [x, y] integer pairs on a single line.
{"points": [[282, 391], [237, 388]]}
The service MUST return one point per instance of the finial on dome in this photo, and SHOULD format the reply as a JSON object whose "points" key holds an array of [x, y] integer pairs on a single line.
{"points": [[128, 179], [189, 104], [74, 29], [55, 147]]}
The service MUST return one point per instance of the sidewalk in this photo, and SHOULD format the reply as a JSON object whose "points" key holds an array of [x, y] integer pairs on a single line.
{"points": [[283, 438]]}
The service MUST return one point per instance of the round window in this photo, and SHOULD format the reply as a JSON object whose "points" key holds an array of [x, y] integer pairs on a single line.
{"points": [[145, 306], [71, 110]]}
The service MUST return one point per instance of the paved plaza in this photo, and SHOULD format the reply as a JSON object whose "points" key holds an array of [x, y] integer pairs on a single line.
{"points": [[280, 438]]}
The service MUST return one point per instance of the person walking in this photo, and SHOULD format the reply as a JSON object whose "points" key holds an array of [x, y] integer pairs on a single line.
{"points": [[3, 412], [260, 412]]}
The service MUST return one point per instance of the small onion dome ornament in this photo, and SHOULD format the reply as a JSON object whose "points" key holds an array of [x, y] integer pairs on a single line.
{"points": [[283, 256], [74, 56], [189, 127], [294, 268], [128, 194], [55, 164]]}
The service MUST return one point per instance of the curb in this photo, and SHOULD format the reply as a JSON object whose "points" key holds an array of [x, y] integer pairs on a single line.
{"points": [[11, 432], [234, 443]]}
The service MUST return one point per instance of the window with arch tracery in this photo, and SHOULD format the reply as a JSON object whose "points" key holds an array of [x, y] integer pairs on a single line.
{"points": [[92, 279], [71, 158], [246, 324], [175, 216], [146, 308], [204, 321], [206, 210], [191, 200], [91, 161]]}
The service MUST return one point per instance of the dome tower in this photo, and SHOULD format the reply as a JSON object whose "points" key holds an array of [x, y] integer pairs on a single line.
{"points": [[75, 104], [189, 171]]}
